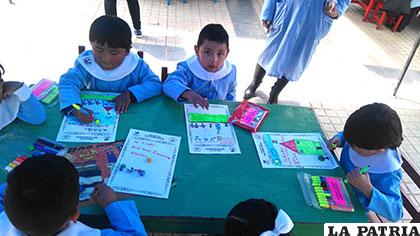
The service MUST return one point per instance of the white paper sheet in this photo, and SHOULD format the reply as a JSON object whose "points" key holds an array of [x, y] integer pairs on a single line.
{"points": [[162, 152], [210, 138], [293, 150], [72, 130]]}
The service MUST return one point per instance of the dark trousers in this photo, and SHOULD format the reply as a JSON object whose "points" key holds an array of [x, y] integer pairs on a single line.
{"points": [[133, 7]]}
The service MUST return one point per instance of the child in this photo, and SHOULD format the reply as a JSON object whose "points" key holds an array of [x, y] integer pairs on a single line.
{"points": [[41, 198], [206, 75], [371, 138], [108, 67], [257, 217], [16, 100]]}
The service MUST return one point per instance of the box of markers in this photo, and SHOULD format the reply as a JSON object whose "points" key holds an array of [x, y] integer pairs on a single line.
{"points": [[248, 116], [325, 192]]}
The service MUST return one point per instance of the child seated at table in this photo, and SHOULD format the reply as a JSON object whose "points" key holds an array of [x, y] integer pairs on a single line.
{"points": [[371, 137], [257, 217], [206, 75], [110, 67], [16, 100], [41, 196]]}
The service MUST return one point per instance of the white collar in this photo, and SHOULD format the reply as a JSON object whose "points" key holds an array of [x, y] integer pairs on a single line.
{"points": [[384, 162], [86, 59], [7, 228], [197, 69], [282, 225], [9, 107]]}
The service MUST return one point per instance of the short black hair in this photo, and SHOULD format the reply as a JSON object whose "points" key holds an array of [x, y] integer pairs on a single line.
{"points": [[251, 218], [213, 32], [41, 194], [111, 30], [374, 126]]}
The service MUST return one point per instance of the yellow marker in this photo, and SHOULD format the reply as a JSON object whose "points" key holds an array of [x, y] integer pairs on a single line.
{"points": [[77, 107], [97, 121]]}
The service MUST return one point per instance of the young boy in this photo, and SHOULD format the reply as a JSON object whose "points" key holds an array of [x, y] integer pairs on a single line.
{"points": [[16, 100], [108, 67], [41, 198], [371, 138], [257, 217], [206, 75]]}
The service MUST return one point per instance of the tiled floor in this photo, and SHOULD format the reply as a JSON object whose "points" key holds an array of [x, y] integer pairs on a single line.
{"points": [[354, 64]]}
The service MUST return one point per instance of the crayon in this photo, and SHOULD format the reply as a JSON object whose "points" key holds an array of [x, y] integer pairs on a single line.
{"points": [[362, 171]]}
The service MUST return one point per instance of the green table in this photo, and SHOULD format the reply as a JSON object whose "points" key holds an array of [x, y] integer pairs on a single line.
{"points": [[207, 186]]}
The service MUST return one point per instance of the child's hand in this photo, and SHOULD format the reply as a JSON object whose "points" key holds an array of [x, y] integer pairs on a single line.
{"points": [[196, 99], [266, 24], [334, 142], [122, 102], [331, 10], [85, 116], [10, 87], [360, 181], [103, 195]]}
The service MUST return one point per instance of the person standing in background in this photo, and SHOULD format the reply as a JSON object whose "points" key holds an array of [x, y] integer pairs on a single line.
{"points": [[294, 29], [133, 7]]}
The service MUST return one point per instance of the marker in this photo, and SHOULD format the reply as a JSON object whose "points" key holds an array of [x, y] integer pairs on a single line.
{"points": [[81, 109], [362, 171], [334, 146]]}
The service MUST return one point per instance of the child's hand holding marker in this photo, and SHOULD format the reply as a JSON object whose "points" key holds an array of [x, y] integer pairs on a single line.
{"points": [[359, 178], [333, 143], [83, 114]]}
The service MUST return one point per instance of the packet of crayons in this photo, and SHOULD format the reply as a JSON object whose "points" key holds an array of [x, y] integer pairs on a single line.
{"points": [[325, 192], [248, 116]]}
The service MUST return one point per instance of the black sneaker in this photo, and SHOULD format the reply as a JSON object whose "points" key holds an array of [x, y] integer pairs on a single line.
{"points": [[138, 33]]}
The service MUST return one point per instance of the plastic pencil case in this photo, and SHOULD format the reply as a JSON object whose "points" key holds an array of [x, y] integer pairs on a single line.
{"points": [[248, 116]]}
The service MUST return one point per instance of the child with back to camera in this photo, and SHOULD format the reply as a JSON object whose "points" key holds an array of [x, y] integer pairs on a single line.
{"points": [[257, 217], [110, 67], [41, 197], [206, 75], [17, 100], [371, 137]]}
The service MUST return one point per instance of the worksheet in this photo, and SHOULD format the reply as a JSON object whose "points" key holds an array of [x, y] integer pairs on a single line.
{"points": [[209, 137], [293, 150]]}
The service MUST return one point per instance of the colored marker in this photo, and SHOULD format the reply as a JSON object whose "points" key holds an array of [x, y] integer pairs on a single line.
{"points": [[334, 146], [79, 108], [362, 171]]}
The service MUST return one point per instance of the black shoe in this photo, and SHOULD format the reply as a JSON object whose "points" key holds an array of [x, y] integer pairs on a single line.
{"points": [[250, 91], [138, 33], [276, 89]]}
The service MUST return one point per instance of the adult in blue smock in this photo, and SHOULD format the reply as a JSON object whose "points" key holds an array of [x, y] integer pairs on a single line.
{"points": [[294, 29]]}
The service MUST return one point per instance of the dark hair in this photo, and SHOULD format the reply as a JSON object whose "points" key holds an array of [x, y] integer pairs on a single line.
{"points": [[111, 30], [374, 126], [251, 218], [41, 194], [213, 32], [1, 71]]}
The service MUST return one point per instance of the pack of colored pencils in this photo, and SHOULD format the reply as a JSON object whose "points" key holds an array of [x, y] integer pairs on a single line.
{"points": [[45, 91], [249, 116], [325, 192]]}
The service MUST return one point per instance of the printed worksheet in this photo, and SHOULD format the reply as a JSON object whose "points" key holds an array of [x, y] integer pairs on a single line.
{"points": [[293, 150], [104, 127], [210, 137], [146, 164]]}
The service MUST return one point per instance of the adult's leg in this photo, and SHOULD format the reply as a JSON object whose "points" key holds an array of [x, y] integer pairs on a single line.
{"points": [[110, 7], [134, 8], [258, 77], [276, 89]]}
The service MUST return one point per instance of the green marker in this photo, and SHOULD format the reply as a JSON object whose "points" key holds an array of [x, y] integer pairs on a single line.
{"points": [[334, 146], [362, 171]]}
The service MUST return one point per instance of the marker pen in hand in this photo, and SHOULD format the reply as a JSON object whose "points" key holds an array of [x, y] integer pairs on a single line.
{"points": [[81, 109], [362, 171]]}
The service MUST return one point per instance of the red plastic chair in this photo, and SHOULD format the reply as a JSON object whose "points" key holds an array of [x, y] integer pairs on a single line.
{"points": [[367, 5], [380, 19]]}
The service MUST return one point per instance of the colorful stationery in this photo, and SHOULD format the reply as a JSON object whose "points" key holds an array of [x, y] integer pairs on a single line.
{"points": [[249, 116], [325, 192], [45, 91]]}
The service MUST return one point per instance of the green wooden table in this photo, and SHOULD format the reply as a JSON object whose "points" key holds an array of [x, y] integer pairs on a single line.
{"points": [[207, 186]]}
